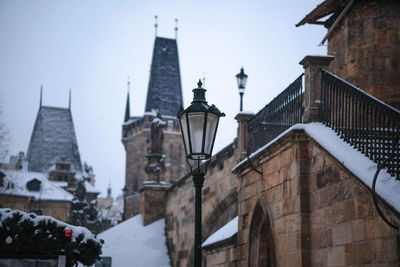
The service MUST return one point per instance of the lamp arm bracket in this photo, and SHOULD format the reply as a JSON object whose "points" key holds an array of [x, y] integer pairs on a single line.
{"points": [[379, 168], [249, 160]]}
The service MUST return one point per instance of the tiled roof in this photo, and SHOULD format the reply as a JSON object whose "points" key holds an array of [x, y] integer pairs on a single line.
{"points": [[164, 92], [53, 137]]}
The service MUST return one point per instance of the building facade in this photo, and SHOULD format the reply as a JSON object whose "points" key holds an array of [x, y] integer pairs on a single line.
{"points": [[46, 180], [294, 188]]}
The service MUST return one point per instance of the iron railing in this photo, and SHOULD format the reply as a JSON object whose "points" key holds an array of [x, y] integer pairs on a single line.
{"points": [[369, 125], [282, 112]]}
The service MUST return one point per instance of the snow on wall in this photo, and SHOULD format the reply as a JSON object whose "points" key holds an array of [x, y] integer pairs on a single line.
{"points": [[362, 167], [225, 232]]}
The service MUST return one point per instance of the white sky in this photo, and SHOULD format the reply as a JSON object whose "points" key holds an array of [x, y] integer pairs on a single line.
{"points": [[93, 46]]}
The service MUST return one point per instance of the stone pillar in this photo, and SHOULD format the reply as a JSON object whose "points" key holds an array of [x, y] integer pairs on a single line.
{"points": [[312, 93], [152, 201], [243, 122]]}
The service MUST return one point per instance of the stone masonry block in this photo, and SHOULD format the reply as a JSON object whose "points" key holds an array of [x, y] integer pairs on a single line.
{"points": [[357, 230], [341, 233], [336, 256]]}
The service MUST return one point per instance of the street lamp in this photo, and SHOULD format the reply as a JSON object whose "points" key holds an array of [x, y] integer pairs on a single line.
{"points": [[199, 123], [241, 78]]}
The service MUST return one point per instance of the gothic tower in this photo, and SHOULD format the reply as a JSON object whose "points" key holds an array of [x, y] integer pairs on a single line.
{"points": [[165, 95]]}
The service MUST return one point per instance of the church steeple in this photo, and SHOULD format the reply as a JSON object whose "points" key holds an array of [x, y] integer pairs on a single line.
{"points": [[164, 92], [127, 108]]}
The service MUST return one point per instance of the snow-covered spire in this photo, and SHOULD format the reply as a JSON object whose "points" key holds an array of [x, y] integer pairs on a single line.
{"points": [[109, 190], [164, 91], [127, 108], [69, 100], [41, 93]]}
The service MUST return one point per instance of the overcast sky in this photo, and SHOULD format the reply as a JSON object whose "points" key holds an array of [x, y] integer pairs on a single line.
{"points": [[93, 46]]}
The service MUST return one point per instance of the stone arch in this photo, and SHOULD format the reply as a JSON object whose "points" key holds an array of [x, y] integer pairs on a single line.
{"points": [[261, 243], [226, 210]]}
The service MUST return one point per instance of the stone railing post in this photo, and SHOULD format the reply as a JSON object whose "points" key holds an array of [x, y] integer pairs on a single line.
{"points": [[243, 122], [152, 201], [312, 91]]}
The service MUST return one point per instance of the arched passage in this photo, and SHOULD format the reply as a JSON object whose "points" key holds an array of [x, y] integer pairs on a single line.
{"points": [[261, 243]]}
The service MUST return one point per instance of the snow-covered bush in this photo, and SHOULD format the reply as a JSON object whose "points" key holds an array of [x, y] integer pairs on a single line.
{"points": [[44, 235]]}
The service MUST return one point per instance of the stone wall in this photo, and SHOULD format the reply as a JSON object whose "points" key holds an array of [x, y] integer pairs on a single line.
{"points": [[15, 202], [56, 209], [219, 206], [136, 140], [366, 45], [152, 202], [60, 210], [221, 256], [306, 209]]}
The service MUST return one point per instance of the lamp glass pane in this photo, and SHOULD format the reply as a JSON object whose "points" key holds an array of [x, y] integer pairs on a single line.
{"points": [[244, 81], [212, 121], [196, 124], [185, 133]]}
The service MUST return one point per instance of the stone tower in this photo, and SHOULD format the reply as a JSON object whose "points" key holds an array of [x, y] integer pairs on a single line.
{"points": [[364, 38], [164, 94]]}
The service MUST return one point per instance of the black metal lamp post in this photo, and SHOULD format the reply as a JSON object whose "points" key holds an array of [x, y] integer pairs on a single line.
{"points": [[199, 123], [241, 78]]}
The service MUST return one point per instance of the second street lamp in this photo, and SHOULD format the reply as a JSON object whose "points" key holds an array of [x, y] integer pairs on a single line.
{"points": [[241, 78], [199, 123]]}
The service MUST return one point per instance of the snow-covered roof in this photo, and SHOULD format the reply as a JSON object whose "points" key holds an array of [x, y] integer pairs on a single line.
{"points": [[90, 188], [130, 242], [53, 137], [15, 184], [131, 119], [164, 92], [356, 162], [223, 233], [60, 183]]}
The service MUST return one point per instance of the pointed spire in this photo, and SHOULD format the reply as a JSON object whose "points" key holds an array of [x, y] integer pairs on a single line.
{"points": [[176, 29], [156, 24], [41, 93], [127, 108], [109, 189], [164, 90], [69, 100]]}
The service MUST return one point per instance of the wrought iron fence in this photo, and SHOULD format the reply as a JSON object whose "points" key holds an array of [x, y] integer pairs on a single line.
{"points": [[282, 112], [361, 120]]}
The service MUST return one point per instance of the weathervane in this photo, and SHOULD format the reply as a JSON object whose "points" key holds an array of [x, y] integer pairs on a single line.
{"points": [[155, 25], [176, 29]]}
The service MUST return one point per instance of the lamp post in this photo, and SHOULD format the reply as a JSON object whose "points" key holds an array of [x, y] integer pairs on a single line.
{"points": [[241, 78], [199, 123]]}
